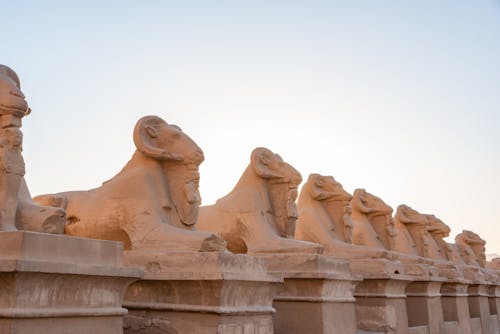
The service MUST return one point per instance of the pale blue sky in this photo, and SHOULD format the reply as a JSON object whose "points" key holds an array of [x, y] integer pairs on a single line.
{"points": [[398, 97]]}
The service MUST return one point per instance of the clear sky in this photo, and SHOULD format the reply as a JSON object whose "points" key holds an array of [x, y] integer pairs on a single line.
{"points": [[401, 98]]}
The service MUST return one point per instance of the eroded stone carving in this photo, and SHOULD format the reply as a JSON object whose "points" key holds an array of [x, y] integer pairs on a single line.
{"points": [[438, 230], [259, 214], [17, 210], [372, 221], [471, 248], [411, 229], [493, 264], [325, 218], [152, 203]]}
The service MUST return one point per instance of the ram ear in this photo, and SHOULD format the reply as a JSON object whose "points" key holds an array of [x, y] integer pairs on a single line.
{"points": [[317, 187], [145, 134], [402, 213], [261, 160], [151, 131]]}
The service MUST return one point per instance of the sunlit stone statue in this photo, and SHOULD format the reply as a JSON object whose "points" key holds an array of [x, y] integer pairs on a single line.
{"points": [[325, 217], [13, 107], [372, 221], [17, 210], [411, 229], [152, 203], [471, 248], [259, 214], [438, 230], [494, 264]]}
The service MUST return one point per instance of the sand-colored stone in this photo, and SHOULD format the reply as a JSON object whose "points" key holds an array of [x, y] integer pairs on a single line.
{"points": [[493, 264], [258, 216], [325, 218], [494, 303], [17, 210], [471, 248], [423, 303], [411, 228], [374, 226], [317, 295], [455, 308], [479, 307], [381, 305], [152, 203], [58, 284], [372, 221], [438, 230], [205, 293]]}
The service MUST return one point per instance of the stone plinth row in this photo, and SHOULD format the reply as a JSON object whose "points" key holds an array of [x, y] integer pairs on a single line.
{"points": [[59, 284]]}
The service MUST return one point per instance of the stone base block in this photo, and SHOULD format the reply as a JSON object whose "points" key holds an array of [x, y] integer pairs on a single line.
{"points": [[201, 293], [60, 284], [455, 307], [423, 304], [316, 296], [157, 322], [381, 305], [376, 268], [63, 325]]}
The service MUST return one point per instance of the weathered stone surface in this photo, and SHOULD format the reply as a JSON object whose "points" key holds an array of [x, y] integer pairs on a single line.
{"points": [[200, 293], [325, 218], [494, 264], [152, 203], [381, 304], [17, 210], [258, 216], [471, 248], [372, 221], [52, 283], [316, 296]]}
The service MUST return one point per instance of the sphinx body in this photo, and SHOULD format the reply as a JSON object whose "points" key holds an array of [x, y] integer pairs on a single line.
{"points": [[258, 216], [325, 218], [152, 203]]}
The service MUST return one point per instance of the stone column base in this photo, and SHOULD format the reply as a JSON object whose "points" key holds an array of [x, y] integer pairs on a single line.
{"points": [[479, 307], [494, 301], [455, 308], [202, 293], [316, 296], [381, 305], [59, 284], [381, 297], [423, 304]]}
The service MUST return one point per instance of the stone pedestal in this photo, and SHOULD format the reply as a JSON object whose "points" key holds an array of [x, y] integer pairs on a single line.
{"points": [[455, 308], [479, 307], [202, 293], [494, 301], [423, 304], [380, 297], [58, 284], [381, 304], [316, 296]]}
